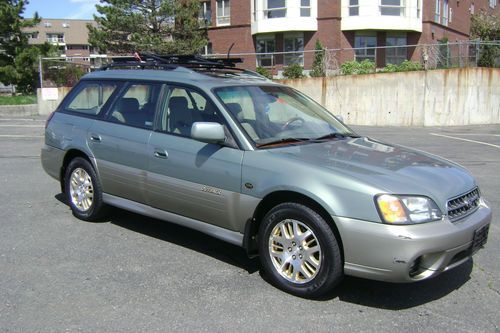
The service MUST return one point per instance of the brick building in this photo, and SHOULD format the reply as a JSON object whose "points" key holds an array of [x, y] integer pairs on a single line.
{"points": [[265, 26]]}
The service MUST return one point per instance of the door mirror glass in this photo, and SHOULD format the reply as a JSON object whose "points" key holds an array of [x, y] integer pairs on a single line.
{"points": [[208, 132]]}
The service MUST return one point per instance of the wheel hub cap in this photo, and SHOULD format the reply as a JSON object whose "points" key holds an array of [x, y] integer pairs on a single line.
{"points": [[81, 189], [294, 251]]}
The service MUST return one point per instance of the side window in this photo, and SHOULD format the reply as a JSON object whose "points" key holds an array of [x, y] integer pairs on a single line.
{"points": [[90, 97], [136, 105], [184, 107]]}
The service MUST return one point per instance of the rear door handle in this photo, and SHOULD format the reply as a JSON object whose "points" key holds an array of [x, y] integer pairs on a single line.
{"points": [[161, 153], [95, 137]]}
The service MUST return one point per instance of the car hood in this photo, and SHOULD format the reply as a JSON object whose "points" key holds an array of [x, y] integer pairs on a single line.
{"points": [[390, 168]]}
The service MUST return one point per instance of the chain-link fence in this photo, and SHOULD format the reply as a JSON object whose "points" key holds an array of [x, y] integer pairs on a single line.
{"points": [[66, 71]]}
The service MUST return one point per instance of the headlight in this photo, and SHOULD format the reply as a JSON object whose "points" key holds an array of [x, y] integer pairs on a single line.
{"points": [[407, 209]]}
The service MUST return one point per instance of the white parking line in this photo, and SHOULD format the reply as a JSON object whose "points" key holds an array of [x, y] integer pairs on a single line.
{"points": [[476, 134], [33, 126], [14, 136], [467, 140]]}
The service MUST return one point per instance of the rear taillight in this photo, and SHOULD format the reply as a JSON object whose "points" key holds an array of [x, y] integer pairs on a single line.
{"points": [[48, 119]]}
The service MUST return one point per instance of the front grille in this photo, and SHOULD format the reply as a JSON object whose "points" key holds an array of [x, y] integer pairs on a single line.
{"points": [[463, 205]]}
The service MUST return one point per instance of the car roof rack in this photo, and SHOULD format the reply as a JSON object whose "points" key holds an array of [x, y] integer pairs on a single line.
{"points": [[173, 61]]}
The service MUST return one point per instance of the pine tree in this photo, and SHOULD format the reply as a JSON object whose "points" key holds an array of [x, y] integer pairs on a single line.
{"points": [[159, 26], [318, 67], [18, 60]]}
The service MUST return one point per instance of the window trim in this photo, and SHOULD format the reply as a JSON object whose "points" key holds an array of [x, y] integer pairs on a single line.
{"points": [[397, 47], [309, 7], [301, 52], [260, 55], [365, 56]]}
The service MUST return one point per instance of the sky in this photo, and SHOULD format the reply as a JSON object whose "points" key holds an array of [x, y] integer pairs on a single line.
{"points": [[64, 9]]}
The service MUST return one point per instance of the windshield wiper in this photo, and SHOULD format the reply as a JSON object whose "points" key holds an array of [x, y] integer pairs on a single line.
{"points": [[282, 141], [336, 135]]}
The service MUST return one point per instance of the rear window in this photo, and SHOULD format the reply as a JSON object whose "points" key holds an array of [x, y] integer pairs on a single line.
{"points": [[90, 97]]}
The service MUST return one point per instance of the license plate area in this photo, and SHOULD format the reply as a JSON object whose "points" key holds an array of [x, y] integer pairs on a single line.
{"points": [[480, 238]]}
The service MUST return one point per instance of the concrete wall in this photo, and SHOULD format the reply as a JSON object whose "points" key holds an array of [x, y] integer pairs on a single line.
{"points": [[18, 110], [47, 106], [428, 98]]}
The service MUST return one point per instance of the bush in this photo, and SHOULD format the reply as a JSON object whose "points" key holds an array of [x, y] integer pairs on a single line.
{"points": [[264, 72], [405, 66], [354, 67], [294, 71]]}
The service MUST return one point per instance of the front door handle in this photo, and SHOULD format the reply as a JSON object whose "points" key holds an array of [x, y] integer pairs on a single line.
{"points": [[161, 153], [95, 137]]}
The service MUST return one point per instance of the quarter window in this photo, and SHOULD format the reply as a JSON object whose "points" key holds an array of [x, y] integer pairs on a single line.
{"points": [[90, 97], [276, 8]]}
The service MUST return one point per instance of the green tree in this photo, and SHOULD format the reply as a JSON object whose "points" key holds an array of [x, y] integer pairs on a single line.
{"points": [[159, 26], [18, 60], [486, 27], [318, 67]]}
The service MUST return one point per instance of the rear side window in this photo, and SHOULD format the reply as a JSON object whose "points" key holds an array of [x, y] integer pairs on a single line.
{"points": [[90, 97]]}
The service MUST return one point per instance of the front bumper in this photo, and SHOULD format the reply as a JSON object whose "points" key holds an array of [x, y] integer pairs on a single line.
{"points": [[408, 253]]}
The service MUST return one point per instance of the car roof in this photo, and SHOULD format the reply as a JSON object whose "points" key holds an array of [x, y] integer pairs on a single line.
{"points": [[205, 78]]}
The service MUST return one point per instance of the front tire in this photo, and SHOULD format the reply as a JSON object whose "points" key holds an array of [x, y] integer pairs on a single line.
{"points": [[299, 251], [83, 190]]}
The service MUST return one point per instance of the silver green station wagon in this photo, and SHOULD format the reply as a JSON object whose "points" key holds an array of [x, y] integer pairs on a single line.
{"points": [[229, 153]]}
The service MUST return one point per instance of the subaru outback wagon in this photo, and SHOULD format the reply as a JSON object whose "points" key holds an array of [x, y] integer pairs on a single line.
{"points": [[258, 164]]}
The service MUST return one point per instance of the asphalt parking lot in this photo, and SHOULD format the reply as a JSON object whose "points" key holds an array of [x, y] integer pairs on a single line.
{"points": [[133, 274]]}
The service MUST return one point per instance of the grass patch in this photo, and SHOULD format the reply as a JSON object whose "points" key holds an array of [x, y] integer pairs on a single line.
{"points": [[17, 100]]}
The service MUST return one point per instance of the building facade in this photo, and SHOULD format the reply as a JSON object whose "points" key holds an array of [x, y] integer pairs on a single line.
{"points": [[355, 26], [70, 37]]}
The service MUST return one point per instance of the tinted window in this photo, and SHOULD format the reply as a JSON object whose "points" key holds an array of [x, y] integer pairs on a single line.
{"points": [[90, 97], [136, 105], [184, 107]]}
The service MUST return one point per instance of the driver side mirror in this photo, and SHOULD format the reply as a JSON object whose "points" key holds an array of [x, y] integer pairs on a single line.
{"points": [[208, 132]]}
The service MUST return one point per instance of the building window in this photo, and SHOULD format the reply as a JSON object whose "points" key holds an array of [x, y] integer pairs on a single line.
{"points": [[493, 3], [55, 38], [276, 8], [446, 9], [392, 7], [267, 45], [418, 9], [353, 7], [32, 35], [207, 49], [65, 25], [305, 8], [294, 43], [205, 14], [396, 52], [223, 12], [437, 15], [365, 47], [47, 24]]}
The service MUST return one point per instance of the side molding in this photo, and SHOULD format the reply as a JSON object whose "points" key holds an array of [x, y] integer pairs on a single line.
{"points": [[229, 236]]}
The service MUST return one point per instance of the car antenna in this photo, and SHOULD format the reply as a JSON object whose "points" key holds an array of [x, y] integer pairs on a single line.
{"points": [[229, 51]]}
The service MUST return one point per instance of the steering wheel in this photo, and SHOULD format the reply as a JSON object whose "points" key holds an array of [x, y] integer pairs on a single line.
{"points": [[291, 121]]}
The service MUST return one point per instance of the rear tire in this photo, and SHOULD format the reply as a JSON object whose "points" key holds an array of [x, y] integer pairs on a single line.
{"points": [[299, 251], [83, 190]]}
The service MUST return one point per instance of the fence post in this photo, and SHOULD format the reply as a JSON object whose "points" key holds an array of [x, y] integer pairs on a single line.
{"points": [[40, 74]]}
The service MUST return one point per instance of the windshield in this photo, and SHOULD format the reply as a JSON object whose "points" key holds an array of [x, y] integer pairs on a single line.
{"points": [[275, 114]]}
